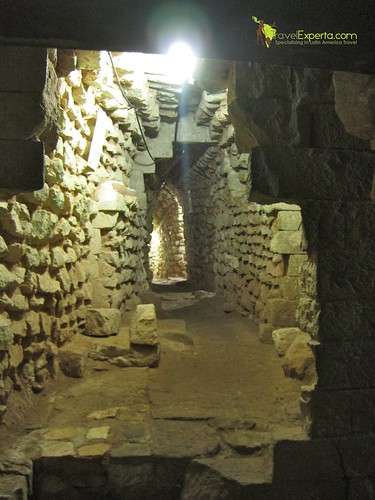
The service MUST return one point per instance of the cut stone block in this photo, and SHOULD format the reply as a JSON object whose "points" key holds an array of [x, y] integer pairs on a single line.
{"points": [[299, 360], [105, 220], [22, 69], [143, 328], [22, 166], [21, 115], [294, 264], [102, 322], [283, 338], [248, 477], [281, 312], [6, 332], [72, 362], [13, 486], [289, 220], [288, 242]]}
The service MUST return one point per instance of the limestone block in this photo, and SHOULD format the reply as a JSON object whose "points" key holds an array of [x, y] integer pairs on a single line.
{"points": [[32, 321], [299, 360], [72, 361], [64, 279], [105, 220], [289, 220], [281, 312], [47, 285], [7, 278], [289, 288], [143, 327], [88, 59], [13, 486], [6, 332], [15, 355], [16, 220], [58, 257], [283, 338], [308, 313], [288, 242], [42, 226], [294, 264], [15, 252], [102, 322], [36, 197]]}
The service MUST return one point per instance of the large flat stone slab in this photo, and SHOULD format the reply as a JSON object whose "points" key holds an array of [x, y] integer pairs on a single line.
{"points": [[182, 439]]}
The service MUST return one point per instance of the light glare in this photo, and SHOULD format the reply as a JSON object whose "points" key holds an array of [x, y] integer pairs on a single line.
{"points": [[182, 61]]}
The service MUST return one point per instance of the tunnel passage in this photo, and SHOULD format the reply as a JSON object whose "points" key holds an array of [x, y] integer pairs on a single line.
{"points": [[167, 247], [75, 252], [80, 245]]}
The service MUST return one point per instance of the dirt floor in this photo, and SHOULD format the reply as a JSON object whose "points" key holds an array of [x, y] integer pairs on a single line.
{"points": [[216, 391]]}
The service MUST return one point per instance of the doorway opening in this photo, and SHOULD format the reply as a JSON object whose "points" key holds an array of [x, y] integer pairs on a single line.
{"points": [[167, 255]]}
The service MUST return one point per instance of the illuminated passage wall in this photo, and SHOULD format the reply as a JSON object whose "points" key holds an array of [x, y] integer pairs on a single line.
{"points": [[167, 248]]}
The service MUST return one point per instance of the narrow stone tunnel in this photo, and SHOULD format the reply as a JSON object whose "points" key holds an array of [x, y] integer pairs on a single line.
{"points": [[171, 290]]}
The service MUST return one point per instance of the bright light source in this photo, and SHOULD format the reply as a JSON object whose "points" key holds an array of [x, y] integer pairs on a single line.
{"points": [[182, 62]]}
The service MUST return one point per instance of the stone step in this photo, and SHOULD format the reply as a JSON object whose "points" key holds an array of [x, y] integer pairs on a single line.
{"points": [[229, 478]]}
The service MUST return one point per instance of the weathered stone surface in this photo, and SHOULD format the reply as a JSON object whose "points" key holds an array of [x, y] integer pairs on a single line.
{"points": [[6, 332], [94, 450], [288, 242], [247, 442], [21, 115], [328, 131], [176, 439], [228, 478], [42, 226], [22, 165], [47, 285], [143, 328], [283, 338], [346, 275], [13, 486], [294, 264], [289, 221], [23, 69], [57, 449], [104, 220], [7, 278], [354, 94], [302, 460], [318, 174], [299, 360], [281, 312], [102, 322], [345, 365], [342, 412], [72, 362]]}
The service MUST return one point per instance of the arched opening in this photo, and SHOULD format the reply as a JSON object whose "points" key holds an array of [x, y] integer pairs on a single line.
{"points": [[167, 254]]}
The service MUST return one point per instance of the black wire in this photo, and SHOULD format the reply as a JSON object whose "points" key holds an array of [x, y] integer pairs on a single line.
{"points": [[131, 106]]}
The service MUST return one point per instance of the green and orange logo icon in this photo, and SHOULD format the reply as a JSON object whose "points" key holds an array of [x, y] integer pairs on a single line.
{"points": [[265, 32]]}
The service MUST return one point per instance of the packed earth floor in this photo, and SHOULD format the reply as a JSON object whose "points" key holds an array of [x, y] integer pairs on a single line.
{"points": [[207, 417]]}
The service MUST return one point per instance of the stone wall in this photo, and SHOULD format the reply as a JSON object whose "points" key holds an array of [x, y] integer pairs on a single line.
{"points": [[250, 253], [167, 251], [79, 240], [306, 154]]}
